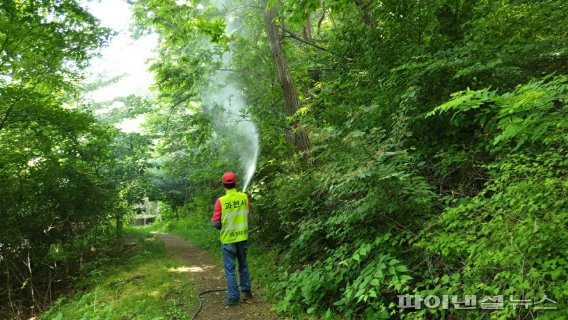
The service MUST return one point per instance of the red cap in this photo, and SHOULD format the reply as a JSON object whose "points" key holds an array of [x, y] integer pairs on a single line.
{"points": [[229, 178]]}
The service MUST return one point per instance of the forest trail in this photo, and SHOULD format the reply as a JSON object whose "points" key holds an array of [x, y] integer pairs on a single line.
{"points": [[207, 274]]}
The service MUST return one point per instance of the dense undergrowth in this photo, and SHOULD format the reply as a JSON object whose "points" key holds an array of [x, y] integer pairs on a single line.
{"points": [[381, 230], [136, 281]]}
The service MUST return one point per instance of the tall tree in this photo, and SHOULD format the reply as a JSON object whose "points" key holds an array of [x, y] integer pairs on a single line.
{"points": [[52, 152], [297, 136]]}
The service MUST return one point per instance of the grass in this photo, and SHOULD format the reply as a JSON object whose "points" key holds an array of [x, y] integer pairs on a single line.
{"points": [[139, 284]]}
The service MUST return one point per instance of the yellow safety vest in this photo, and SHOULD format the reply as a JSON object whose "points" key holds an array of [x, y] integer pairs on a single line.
{"points": [[234, 216]]}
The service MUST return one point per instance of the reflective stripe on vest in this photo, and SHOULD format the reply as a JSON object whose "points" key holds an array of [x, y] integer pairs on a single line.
{"points": [[234, 216]]}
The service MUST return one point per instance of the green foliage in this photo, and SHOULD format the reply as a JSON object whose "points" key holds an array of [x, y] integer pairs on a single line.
{"points": [[532, 114], [509, 238], [144, 284], [359, 281], [57, 191]]}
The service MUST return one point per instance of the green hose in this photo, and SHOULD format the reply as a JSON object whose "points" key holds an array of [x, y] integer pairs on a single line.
{"points": [[200, 298]]}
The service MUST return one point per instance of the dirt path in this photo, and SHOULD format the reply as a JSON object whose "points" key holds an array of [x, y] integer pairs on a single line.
{"points": [[207, 274]]}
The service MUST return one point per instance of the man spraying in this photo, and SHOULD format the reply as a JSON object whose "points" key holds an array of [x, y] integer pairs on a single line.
{"points": [[231, 217]]}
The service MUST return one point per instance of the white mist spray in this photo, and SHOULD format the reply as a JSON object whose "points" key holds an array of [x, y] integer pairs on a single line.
{"points": [[225, 92], [240, 131]]}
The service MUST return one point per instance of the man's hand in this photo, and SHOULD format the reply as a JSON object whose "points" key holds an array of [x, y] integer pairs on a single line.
{"points": [[216, 224]]}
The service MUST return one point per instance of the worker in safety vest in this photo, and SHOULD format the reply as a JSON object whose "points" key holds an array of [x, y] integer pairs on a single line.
{"points": [[231, 217]]}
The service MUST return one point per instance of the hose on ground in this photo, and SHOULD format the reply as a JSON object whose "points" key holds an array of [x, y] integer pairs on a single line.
{"points": [[200, 298]]}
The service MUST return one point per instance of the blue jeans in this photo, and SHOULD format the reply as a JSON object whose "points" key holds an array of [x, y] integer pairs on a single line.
{"points": [[231, 253]]}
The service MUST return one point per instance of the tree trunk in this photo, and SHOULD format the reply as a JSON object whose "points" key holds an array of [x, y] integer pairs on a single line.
{"points": [[308, 30], [297, 136], [119, 226], [366, 14]]}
